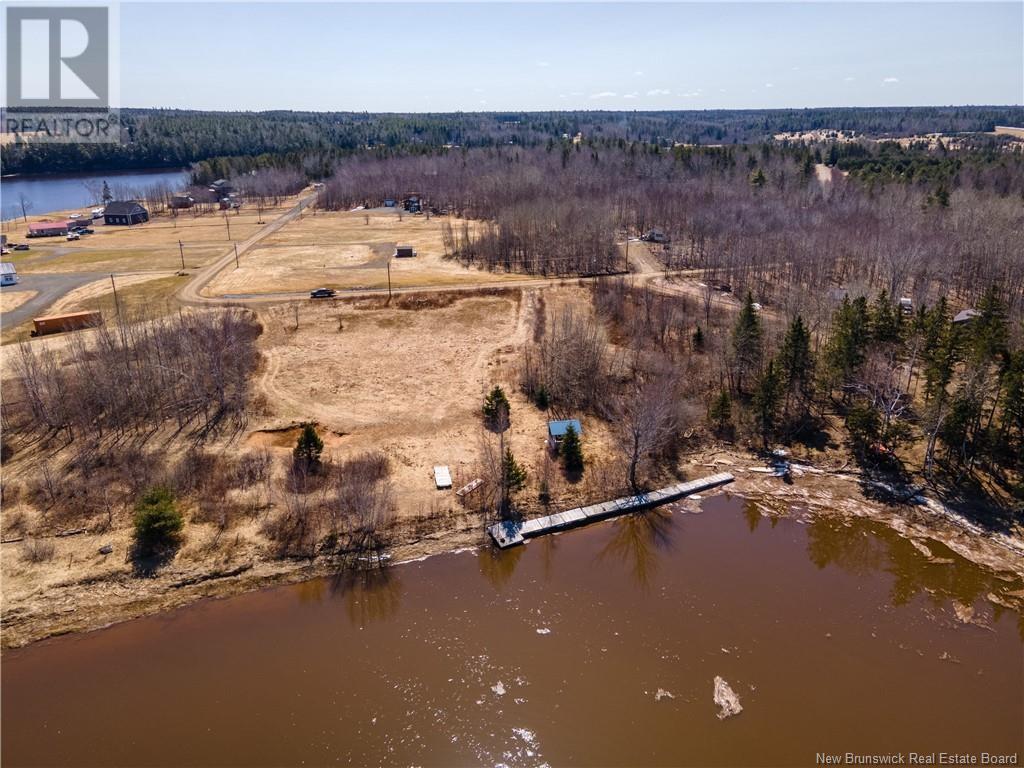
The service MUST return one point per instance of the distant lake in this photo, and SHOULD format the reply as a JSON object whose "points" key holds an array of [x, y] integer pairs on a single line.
{"points": [[59, 192]]}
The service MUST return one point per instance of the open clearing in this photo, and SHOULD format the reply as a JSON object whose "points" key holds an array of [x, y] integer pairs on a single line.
{"points": [[405, 381], [349, 250]]}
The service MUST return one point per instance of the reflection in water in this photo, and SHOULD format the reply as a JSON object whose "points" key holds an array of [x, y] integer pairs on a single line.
{"points": [[371, 594], [636, 540], [935, 571], [498, 565], [437, 671], [752, 515]]}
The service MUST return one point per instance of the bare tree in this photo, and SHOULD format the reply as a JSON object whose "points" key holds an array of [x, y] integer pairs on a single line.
{"points": [[646, 420]]}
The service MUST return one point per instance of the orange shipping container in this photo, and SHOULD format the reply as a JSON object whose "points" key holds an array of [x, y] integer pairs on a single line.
{"points": [[70, 322]]}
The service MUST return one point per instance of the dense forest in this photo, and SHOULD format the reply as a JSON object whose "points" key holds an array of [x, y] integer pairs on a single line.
{"points": [[154, 138]]}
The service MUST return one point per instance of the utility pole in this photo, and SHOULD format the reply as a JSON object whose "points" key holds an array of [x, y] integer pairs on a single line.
{"points": [[389, 279], [117, 304], [236, 255], [227, 223], [181, 250]]}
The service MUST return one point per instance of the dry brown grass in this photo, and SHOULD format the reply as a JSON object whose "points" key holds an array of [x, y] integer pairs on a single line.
{"points": [[341, 250]]}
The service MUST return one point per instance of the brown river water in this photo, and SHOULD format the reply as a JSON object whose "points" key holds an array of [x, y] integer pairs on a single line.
{"points": [[595, 647]]}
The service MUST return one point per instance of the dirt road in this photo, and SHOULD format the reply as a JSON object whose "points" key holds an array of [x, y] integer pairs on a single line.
{"points": [[192, 292]]}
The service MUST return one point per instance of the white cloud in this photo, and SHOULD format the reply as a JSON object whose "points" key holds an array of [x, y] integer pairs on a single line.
{"points": [[483, 101], [478, 90], [603, 95], [629, 95], [639, 73], [769, 85], [659, 92], [692, 94], [543, 63], [891, 80], [849, 79]]}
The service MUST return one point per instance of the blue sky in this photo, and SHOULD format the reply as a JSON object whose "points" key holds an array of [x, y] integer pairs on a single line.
{"points": [[481, 56]]}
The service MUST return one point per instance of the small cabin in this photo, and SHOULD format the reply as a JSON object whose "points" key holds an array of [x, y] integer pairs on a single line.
{"points": [[405, 252], [557, 431], [8, 273], [907, 306]]}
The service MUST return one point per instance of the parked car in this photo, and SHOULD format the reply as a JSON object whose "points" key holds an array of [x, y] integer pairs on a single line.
{"points": [[20, 246], [323, 293], [83, 230], [74, 236]]}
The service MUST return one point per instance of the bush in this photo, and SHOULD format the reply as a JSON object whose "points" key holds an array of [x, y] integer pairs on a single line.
{"points": [[158, 523]]}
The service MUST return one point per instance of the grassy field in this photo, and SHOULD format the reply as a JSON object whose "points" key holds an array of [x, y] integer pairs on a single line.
{"points": [[349, 250], [149, 246]]}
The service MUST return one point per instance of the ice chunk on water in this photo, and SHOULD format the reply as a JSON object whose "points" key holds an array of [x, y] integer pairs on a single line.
{"points": [[726, 699]]}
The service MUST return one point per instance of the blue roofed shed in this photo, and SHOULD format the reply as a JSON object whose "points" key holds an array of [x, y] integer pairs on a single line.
{"points": [[557, 430]]}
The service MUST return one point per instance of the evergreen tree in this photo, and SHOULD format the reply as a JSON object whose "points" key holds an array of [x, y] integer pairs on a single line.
{"points": [[758, 179], [795, 361], [1013, 402], [497, 412], [308, 448], [864, 427], [885, 320], [989, 335], [747, 339], [513, 480], [846, 347], [767, 396], [541, 398], [158, 523], [572, 451], [698, 339], [107, 195], [720, 412]]}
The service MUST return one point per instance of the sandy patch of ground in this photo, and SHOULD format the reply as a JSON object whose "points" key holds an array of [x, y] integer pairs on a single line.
{"points": [[13, 299], [349, 250]]}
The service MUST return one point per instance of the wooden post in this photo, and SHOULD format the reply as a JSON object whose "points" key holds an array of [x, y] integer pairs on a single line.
{"points": [[236, 255], [227, 223], [181, 250], [389, 278]]}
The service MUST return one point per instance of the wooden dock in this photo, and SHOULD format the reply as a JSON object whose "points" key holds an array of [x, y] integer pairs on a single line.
{"points": [[510, 533]]}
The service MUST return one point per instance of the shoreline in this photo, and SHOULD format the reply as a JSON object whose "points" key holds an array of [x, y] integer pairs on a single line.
{"points": [[93, 604]]}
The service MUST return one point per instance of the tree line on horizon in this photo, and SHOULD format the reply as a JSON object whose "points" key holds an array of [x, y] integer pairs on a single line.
{"points": [[220, 143]]}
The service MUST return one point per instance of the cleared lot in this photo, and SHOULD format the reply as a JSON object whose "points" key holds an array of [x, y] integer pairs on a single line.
{"points": [[349, 250]]}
